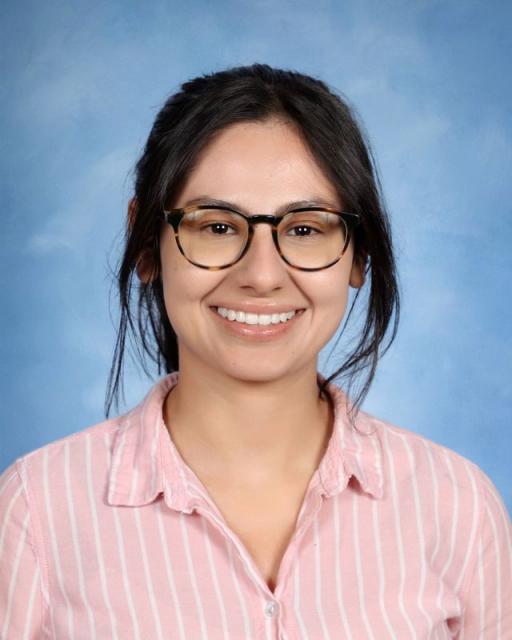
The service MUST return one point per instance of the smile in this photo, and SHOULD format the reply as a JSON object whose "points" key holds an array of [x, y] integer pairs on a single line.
{"points": [[255, 318]]}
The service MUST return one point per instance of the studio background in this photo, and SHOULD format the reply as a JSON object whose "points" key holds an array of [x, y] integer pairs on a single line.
{"points": [[81, 85]]}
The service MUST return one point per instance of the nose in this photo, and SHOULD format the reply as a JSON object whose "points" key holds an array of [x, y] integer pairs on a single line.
{"points": [[261, 268]]}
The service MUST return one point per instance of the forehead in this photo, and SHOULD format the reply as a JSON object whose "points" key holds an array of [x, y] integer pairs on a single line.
{"points": [[257, 162]]}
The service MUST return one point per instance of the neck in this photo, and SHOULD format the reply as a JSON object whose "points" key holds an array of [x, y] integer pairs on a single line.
{"points": [[259, 431]]}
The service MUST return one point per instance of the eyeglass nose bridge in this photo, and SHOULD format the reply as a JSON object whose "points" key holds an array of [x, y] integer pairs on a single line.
{"points": [[261, 218]]}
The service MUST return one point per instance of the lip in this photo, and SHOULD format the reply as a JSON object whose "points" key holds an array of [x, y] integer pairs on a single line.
{"points": [[258, 332]]}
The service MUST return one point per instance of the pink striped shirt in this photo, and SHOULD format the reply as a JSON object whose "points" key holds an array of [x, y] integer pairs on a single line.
{"points": [[107, 533]]}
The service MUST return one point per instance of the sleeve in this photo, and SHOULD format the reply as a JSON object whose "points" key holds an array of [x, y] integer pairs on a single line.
{"points": [[21, 602], [488, 607]]}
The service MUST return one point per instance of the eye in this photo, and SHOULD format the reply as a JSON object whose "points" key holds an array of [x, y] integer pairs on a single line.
{"points": [[311, 224], [213, 222], [219, 228], [304, 230]]}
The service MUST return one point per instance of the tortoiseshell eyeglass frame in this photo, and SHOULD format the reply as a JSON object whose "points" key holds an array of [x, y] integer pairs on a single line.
{"points": [[173, 217]]}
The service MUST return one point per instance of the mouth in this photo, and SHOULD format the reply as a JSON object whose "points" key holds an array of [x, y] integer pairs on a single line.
{"points": [[257, 319], [257, 325]]}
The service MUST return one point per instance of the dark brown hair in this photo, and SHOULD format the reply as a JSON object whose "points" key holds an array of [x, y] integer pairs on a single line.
{"points": [[185, 124]]}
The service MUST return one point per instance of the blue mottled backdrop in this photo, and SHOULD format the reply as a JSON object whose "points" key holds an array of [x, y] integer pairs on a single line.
{"points": [[81, 84]]}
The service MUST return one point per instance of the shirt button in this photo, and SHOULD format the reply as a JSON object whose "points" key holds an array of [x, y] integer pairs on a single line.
{"points": [[271, 608]]}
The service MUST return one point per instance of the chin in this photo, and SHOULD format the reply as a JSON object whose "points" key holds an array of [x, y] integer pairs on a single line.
{"points": [[263, 371]]}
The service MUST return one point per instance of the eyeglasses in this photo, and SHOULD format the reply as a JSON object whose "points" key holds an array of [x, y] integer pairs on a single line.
{"points": [[216, 237]]}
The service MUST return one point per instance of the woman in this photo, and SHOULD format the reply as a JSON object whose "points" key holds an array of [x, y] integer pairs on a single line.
{"points": [[247, 496]]}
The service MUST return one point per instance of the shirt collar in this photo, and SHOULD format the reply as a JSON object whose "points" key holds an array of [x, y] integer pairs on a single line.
{"points": [[352, 451], [145, 462]]}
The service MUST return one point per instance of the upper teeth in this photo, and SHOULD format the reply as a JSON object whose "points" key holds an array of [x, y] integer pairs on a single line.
{"points": [[255, 318]]}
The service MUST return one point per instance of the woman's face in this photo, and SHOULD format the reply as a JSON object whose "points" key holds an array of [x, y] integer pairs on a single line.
{"points": [[258, 167]]}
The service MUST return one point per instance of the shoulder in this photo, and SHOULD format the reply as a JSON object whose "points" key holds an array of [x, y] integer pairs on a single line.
{"points": [[48, 467], [80, 466], [411, 460], [437, 501]]}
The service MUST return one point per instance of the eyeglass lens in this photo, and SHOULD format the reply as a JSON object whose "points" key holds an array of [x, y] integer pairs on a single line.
{"points": [[309, 239]]}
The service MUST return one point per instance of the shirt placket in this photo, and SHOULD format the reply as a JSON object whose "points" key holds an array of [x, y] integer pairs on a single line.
{"points": [[271, 604]]}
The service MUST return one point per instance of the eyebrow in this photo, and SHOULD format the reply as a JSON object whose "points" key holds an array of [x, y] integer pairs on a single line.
{"points": [[314, 201]]}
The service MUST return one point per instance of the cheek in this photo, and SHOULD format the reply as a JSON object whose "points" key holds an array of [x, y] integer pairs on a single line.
{"points": [[179, 295], [329, 289], [185, 293], [174, 280], [330, 300], [173, 299]]}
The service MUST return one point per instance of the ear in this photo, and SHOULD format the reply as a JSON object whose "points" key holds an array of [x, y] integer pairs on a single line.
{"points": [[357, 273], [145, 266], [132, 212]]}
